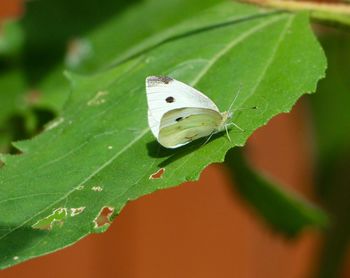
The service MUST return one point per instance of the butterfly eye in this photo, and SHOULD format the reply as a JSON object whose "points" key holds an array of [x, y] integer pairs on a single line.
{"points": [[169, 99]]}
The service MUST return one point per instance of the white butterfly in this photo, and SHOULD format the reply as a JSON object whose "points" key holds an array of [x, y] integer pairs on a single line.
{"points": [[179, 114]]}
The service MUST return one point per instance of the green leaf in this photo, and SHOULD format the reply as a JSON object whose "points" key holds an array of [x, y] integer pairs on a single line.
{"points": [[18, 116], [59, 25], [47, 86], [12, 85], [100, 154], [44, 52], [66, 47], [333, 128], [283, 210], [162, 26], [81, 47], [11, 38]]}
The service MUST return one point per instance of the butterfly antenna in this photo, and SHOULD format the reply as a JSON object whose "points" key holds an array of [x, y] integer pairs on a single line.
{"points": [[234, 100]]}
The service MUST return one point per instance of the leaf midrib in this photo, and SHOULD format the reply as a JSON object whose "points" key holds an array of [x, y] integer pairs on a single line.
{"points": [[229, 21]]}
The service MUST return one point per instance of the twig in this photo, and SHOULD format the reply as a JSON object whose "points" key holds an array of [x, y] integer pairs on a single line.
{"points": [[324, 12]]}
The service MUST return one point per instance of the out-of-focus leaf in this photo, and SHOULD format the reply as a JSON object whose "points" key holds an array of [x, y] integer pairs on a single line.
{"points": [[11, 38], [332, 121], [332, 131], [59, 22], [157, 27], [282, 209], [100, 154], [12, 86], [19, 117]]}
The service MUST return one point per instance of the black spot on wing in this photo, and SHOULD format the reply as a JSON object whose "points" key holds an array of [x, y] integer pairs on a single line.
{"points": [[169, 99], [178, 119]]}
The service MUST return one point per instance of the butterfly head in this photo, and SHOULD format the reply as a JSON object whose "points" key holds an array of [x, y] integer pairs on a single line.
{"points": [[226, 118]]}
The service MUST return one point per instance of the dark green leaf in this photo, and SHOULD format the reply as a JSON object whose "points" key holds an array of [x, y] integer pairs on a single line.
{"points": [[11, 38], [332, 130], [284, 210]]}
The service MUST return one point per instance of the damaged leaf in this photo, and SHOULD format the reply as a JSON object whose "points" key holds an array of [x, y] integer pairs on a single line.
{"points": [[103, 219], [272, 56], [56, 217]]}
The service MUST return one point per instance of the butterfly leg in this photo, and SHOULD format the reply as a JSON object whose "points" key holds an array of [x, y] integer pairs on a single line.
{"points": [[209, 137], [235, 125], [228, 135]]}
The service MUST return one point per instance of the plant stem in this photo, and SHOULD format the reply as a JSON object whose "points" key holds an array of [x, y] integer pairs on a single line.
{"points": [[336, 14]]}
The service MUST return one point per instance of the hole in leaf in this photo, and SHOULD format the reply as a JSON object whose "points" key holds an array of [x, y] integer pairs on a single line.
{"points": [[76, 211], [80, 187], [104, 217], [97, 188], [56, 217], [158, 174], [98, 98]]}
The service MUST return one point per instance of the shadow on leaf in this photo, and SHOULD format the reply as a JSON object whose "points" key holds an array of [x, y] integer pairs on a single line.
{"points": [[16, 241], [157, 151]]}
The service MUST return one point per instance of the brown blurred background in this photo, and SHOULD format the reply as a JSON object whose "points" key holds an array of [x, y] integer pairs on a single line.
{"points": [[200, 229]]}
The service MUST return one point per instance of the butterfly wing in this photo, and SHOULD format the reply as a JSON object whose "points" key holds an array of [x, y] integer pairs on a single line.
{"points": [[181, 126], [165, 94]]}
